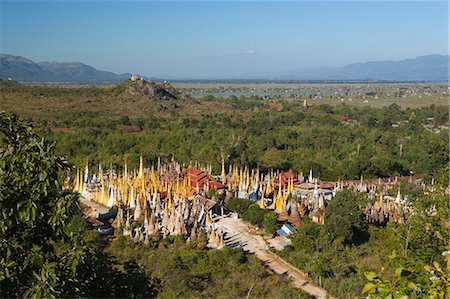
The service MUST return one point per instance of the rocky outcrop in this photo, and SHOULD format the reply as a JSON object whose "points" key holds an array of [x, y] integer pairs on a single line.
{"points": [[162, 96], [144, 88]]}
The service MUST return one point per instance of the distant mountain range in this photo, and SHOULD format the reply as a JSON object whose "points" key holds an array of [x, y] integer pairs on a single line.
{"points": [[424, 68], [22, 69]]}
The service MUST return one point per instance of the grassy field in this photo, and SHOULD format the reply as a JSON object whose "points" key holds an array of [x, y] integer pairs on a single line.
{"points": [[55, 103]]}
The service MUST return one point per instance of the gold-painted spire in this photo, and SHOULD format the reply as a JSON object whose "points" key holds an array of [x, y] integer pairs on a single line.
{"points": [[223, 174], [141, 167], [77, 183], [261, 203]]}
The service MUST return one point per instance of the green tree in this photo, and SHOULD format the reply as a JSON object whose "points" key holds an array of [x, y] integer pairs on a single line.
{"points": [[46, 249], [343, 217], [270, 222], [254, 214], [34, 211], [409, 280], [302, 241], [238, 205]]}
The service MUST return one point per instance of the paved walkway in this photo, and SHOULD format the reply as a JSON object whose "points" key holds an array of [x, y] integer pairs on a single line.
{"points": [[237, 234], [96, 208]]}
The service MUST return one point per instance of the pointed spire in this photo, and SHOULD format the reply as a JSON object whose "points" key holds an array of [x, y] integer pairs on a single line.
{"points": [[223, 174], [127, 230], [141, 167], [86, 172], [137, 210], [261, 203], [111, 200], [208, 220], [132, 199], [398, 199], [321, 202], [77, 182]]}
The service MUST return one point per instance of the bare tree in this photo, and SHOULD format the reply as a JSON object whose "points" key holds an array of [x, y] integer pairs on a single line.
{"points": [[359, 142], [401, 143], [405, 235]]}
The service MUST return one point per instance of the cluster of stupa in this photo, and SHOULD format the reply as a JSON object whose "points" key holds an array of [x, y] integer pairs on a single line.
{"points": [[387, 209], [289, 194], [163, 199], [182, 217], [172, 199], [171, 182]]}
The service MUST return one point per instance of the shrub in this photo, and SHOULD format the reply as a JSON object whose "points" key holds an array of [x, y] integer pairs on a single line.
{"points": [[254, 214], [303, 242], [270, 222], [238, 205]]}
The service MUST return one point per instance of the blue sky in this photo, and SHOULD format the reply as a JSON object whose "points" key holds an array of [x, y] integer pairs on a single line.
{"points": [[226, 39]]}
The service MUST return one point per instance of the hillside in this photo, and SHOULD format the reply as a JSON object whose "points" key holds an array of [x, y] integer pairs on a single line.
{"points": [[22, 69]]}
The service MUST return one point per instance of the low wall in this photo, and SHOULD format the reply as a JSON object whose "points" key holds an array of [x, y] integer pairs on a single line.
{"points": [[292, 267]]}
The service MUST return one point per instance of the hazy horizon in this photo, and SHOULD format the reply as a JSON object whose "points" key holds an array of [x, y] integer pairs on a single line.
{"points": [[222, 39]]}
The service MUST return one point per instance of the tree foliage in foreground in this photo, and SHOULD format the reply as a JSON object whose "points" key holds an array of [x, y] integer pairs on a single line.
{"points": [[46, 248], [407, 281]]}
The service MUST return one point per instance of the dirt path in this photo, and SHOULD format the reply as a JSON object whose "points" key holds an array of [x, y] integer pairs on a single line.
{"points": [[237, 234]]}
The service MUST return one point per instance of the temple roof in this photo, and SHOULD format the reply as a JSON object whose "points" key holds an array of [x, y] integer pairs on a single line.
{"points": [[200, 178], [287, 176], [208, 203], [196, 176]]}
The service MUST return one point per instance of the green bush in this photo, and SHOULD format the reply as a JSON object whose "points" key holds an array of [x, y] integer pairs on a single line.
{"points": [[270, 222], [239, 205], [251, 212], [254, 214], [302, 242]]}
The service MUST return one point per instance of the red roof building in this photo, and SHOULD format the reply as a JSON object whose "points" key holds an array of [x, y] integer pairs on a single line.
{"points": [[286, 177], [199, 178]]}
